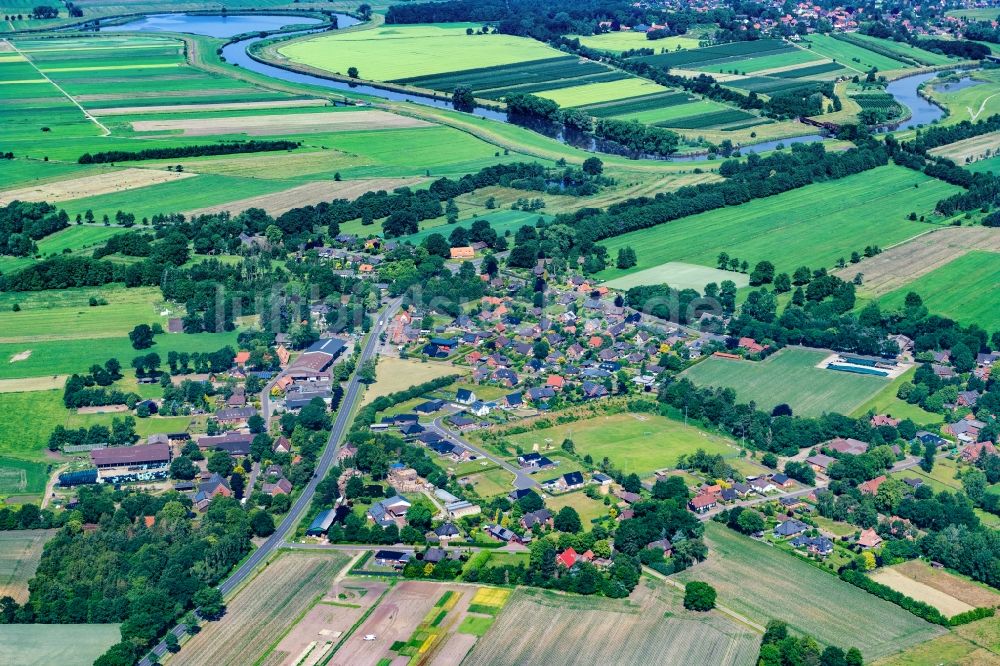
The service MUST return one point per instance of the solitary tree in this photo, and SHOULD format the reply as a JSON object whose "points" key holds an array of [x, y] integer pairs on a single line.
{"points": [[141, 337], [699, 596], [463, 99], [352, 72]]}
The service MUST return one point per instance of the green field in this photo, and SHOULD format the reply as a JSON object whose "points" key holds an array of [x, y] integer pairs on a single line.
{"points": [[965, 289], [20, 477], [766, 61], [679, 276], [972, 103], [640, 443], [904, 50], [626, 41], [589, 509], [394, 52], [813, 225], [886, 402], [54, 357], [849, 55], [762, 583], [789, 377], [35, 644], [594, 93]]}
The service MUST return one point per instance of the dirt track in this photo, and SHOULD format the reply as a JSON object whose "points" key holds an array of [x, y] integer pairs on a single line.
{"points": [[342, 121], [89, 186], [904, 263], [304, 195]]}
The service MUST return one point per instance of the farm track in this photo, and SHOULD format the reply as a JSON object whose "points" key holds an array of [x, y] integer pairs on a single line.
{"points": [[904, 263]]}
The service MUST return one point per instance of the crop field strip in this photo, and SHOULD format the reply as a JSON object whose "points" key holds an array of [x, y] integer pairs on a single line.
{"points": [[651, 627], [716, 119], [813, 225], [636, 104], [826, 70], [853, 56], [761, 582], [20, 552], [718, 55], [262, 611]]}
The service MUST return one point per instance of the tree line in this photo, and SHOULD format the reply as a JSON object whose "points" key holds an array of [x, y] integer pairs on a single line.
{"points": [[226, 148], [22, 223]]}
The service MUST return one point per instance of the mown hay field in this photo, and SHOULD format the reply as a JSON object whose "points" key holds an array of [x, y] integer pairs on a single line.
{"points": [[20, 552], [763, 583], [539, 627]]}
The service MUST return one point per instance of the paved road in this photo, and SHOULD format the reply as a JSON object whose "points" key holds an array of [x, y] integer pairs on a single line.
{"points": [[352, 394], [521, 477]]}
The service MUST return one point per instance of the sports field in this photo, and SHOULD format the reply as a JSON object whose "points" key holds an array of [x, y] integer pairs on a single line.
{"points": [[640, 443], [19, 477], [967, 289], [20, 552], [652, 626], [395, 52], [763, 583], [35, 644], [789, 377], [813, 225], [678, 275]]}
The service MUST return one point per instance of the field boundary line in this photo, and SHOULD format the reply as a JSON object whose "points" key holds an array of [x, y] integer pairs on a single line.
{"points": [[741, 619], [357, 625], [55, 85]]}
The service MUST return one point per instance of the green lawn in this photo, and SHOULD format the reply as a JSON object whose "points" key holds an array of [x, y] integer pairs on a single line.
{"points": [[395, 52], [762, 582], [789, 377], [813, 226], [21, 477], [965, 289], [588, 509], [886, 402], [640, 443]]}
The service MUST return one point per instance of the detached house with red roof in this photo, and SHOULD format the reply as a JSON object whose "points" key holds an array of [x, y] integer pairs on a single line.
{"points": [[567, 558], [871, 487]]}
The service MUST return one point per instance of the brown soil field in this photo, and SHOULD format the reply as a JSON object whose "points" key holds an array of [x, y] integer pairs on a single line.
{"points": [[343, 121], [32, 384], [396, 618], [904, 263], [219, 106], [975, 595], [259, 614], [652, 627], [944, 602], [326, 623], [89, 186], [304, 195], [20, 552], [972, 149]]}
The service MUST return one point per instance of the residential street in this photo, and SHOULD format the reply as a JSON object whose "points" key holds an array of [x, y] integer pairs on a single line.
{"points": [[521, 477]]}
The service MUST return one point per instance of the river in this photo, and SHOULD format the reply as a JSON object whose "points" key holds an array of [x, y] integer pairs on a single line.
{"points": [[905, 90]]}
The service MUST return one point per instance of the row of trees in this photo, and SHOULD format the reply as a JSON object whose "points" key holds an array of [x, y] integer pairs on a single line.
{"points": [[224, 148]]}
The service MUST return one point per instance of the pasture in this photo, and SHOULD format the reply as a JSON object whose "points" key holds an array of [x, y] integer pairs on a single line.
{"points": [[261, 612], [973, 644], [640, 443], [813, 225], [972, 103], [34, 644], [678, 275], [762, 583], [394, 52], [964, 289], [790, 377], [650, 627], [20, 552], [395, 374]]}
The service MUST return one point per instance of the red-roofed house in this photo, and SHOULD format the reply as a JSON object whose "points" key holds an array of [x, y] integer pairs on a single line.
{"points": [[567, 558], [556, 382], [241, 358], [751, 345], [972, 452], [884, 420], [869, 539], [595, 341], [703, 503], [871, 487]]}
